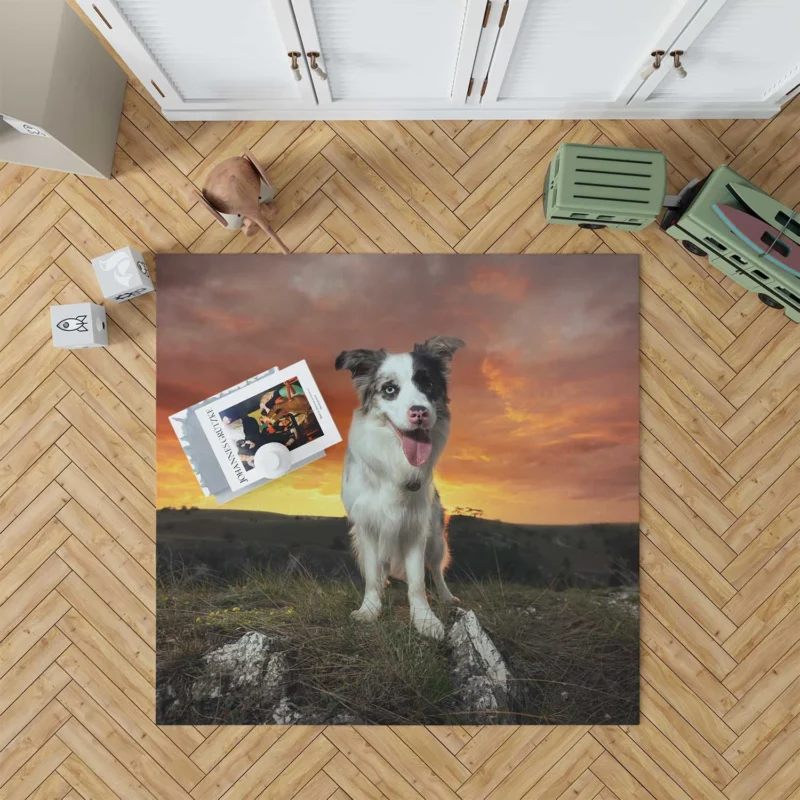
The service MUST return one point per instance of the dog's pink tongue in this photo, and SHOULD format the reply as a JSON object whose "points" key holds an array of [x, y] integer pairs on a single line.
{"points": [[417, 447]]}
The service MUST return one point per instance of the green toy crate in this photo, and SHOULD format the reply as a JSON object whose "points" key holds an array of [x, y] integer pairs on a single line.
{"points": [[605, 187], [701, 231]]}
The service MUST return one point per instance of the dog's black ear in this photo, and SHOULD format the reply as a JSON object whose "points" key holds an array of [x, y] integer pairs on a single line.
{"points": [[441, 347], [359, 362], [363, 366]]}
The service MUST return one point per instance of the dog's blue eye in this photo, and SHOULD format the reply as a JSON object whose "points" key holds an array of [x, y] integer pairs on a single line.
{"points": [[389, 389]]}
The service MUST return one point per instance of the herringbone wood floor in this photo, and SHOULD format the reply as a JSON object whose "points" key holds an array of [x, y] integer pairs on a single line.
{"points": [[720, 471]]}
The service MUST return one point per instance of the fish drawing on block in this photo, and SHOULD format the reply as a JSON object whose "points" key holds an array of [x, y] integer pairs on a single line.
{"points": [[77, 324], [761, 237]]}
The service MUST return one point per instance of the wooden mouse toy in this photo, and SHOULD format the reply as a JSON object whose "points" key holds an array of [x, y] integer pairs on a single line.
{"points": [[237, 192]]}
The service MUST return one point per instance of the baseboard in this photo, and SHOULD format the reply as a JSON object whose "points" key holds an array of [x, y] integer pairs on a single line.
{"points": [[650, 111]]}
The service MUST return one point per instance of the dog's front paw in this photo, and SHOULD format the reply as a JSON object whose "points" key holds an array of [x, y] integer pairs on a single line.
{"points": [[428, 624], [450, 599], [366, 614]]}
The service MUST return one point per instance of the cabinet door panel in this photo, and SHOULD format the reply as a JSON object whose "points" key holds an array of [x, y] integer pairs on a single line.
{"points": [[391, 53], [580, 49], [575, 53], [207, 53], [748, 51]]}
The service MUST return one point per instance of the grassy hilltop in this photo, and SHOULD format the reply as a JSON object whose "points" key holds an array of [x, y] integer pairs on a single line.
{"points": [[573, 654], [542, 593]]}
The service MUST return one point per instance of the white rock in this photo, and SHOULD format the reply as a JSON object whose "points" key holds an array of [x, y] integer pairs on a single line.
{"points": [[242, 659], [479, 670], [247, 662]]}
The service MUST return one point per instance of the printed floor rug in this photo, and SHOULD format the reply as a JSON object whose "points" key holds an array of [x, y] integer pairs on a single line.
{"points": [[467, 554]]}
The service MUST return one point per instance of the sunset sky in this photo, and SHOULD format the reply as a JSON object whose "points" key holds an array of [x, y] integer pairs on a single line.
{"points": [[544, 397]]}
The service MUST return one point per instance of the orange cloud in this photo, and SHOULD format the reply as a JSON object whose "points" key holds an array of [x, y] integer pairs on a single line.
{"points": [[499, 379], [495, 281]]}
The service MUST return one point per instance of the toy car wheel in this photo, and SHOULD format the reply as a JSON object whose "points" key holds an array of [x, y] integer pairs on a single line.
{"points": [[769, 301], [693, 248], [592, 226]]}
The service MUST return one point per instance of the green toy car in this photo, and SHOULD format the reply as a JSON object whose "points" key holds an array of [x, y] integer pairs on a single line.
{"points": [[605, 187], [702, 232]]}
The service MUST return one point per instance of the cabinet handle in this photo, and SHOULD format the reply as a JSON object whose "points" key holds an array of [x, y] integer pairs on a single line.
{"points": [[100, 14], [676, 60], [317, 70], [294, 55], [657, 56]]}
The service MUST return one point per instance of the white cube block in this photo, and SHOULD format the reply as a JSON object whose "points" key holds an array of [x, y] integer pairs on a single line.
{"points": [[122, 274], [78, 325]]}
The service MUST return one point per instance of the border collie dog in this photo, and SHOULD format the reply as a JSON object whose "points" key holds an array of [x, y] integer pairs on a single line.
{"points": [[396, 438]]}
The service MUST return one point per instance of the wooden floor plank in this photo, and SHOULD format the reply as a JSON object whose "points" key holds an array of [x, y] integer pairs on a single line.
{"points": [[687, 703], [501, 180], [755, 591], [232, 756], [31, 738], [159, 131], [765, 692], [154, 163], [764, 730], [419, 161], [684, 556], [125, 603], [98, 760], [292, 159], [30, 267], [684, 737], [697, 641], [135, 723], [84, 781], [120, 744], [768, 615], [437, 143], [420, 223], [27, 709], [36, 770], [655, 779], [685, 664], [90, 605], [109, 443], [26, 198], [12, 176], [144, 189]]}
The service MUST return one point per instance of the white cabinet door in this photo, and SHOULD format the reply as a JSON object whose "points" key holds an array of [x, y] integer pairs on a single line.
{"points": [[735, 51], [390, 53], [574, 55], [208, 54]]}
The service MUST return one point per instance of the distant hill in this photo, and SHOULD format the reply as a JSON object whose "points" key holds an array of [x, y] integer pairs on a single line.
{"points": [[225, 542]]}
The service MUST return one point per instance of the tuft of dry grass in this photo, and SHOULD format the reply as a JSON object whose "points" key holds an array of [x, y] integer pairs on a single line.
{"points": [[573, 655]]}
